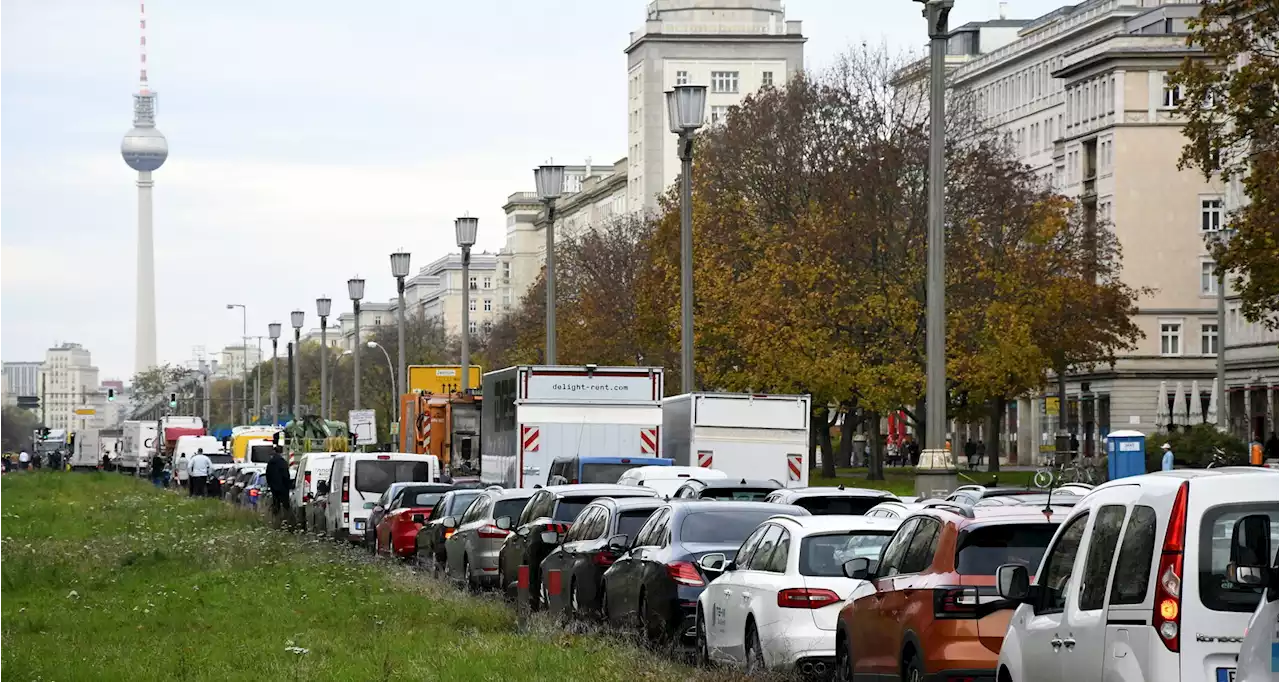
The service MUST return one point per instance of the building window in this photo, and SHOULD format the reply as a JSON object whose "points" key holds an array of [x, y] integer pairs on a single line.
{"points": [[377, 321], [473, 282], [1172, 95], [506, 271], [488, 305], [766, 79], [682, 78], [719, 114], [474, 326], [488, 282], [724, 81], [1208, 279], [1208, 338], [1211, 214], [1171, 338], [471, 305]]}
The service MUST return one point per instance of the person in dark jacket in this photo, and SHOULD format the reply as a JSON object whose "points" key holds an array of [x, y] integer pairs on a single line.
{"points": [[278, 481], [157, 470]]}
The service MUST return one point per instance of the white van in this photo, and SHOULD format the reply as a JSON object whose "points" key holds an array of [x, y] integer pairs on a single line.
{"points": [[189, 445], [667, 480], [1135, 586], [357, 479], [312, 468]]}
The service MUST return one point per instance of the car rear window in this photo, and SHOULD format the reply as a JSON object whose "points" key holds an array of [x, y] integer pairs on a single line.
{"points": [[631, 520], [261, 453], [735, 494], [460, 502], [603, 473], [985, 548], [1216, 591], [568, 508], [843, 505], [721, 526], [375, 476], [511, 508], [825, 555]]}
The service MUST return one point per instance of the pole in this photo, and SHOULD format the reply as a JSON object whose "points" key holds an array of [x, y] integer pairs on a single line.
{"points": [[391, 372], [355, 353], [244, 409], [403, 381], [324, 367], [686, 263], [1223, 422], [208, 399], [289, 345], [297, 374], [466, 315], [275, 382], [43, 399], [551, 291], [257, 384], [935, 455]]}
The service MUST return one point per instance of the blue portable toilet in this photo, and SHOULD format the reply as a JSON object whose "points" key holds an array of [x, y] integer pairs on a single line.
{"points": [[1126, 454]]}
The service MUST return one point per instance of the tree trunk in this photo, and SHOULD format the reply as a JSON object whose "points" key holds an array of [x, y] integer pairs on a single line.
{"points": [[813, 441], [845, 455], [922, 418], [875, 463], [994, 421], [824, 441]]}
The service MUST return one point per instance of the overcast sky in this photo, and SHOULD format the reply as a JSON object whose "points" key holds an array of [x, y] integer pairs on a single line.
{"points": [[308, 139]]}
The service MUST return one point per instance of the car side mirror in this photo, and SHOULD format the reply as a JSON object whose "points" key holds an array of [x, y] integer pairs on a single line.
{"points": [[714, 562], [419, 518], [549, 537], [449, 522], [1250, 548], [378, 508], [1013, 582], [618, 543], [503, 522], [858, 569], [293, 483]]}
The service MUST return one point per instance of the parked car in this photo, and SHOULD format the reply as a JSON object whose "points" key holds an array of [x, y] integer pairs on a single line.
{"points": [[1144, 580], [655, 584], [1259, 659], [601, 532], [970, 494], [668, 479], [357, 479], [831, 499], [380, 508], [234, 493], [775, 604], [397, 530], [583, 469], [313, 467], [725, 490], [1059, 498], [255, 487], [471, 551], [543, 524], [429, 545], [895, 509], [929, 607]]}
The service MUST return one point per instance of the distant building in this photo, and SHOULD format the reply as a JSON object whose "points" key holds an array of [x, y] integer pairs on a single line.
{"points": [[21, 379], [72, 398], [234, 359]]}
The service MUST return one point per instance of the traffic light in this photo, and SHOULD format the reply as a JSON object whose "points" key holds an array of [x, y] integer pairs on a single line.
{"points": [[173, 400], [29, 402], [44, 432], [111, 394]]}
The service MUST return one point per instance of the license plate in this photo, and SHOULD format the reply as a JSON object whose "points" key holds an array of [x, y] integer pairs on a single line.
{"points": [[1226, 675], [359, 525]]}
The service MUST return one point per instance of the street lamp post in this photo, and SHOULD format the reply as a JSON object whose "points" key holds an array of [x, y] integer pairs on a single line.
{"points": [[685, 109], [355, 289], [391, 370], [550, 184], [330, 386], [465, 229], [937, 468], [400, 270], [244, 339], [273, 330], [1224, 423], [323, 305], [297, 317]]}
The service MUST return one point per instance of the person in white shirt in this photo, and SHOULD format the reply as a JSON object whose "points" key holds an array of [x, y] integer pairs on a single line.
{"points": [[199, 467], [24, 460], [183, 471]]}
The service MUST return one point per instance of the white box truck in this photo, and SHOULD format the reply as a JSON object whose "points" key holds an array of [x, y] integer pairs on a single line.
{"points": [[745, 436], [139, 444], [87, 451], [532, 415]]}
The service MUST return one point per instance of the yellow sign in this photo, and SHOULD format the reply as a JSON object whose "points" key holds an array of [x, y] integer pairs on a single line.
{"points": [[85, 411], [1051, 406], [440, 378]]}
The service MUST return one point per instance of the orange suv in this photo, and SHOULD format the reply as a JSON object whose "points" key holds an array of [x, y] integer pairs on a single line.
{"points": [[928, 608]]}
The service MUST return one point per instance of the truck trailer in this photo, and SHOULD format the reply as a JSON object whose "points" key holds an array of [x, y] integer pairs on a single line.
{"points": [[446, 425], [139, 444], [745, 436], [532, 415]]}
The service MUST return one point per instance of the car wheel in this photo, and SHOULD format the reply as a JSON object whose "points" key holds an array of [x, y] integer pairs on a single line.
{"points": [[913, 668], [647, 625], [704, 648], [544, 595], [574, 610], [753, 653], [604, 605], [844, 664], [467, 580]]}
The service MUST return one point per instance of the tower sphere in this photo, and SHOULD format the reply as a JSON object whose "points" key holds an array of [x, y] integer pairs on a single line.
{"points": [[144, 148]]}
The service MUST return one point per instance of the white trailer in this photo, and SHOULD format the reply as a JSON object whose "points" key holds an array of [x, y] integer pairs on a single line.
{"points": [[87, 451], [530, 415], [745, 436], [140, 438]]}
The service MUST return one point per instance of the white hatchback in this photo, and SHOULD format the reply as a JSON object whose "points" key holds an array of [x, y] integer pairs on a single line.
{"points": [[667, 480], [776, 603], [1138, 585]]}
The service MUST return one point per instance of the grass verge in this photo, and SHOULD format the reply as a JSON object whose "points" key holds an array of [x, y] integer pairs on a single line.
{"points": [[105, 578]]}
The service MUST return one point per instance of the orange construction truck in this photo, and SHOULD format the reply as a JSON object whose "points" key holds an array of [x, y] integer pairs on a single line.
{"points": [[446, 425]]}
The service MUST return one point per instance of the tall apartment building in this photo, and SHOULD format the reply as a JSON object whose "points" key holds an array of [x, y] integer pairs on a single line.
{"points": [[72, 398], [732, 46], [21, 379], [1081, 93]]}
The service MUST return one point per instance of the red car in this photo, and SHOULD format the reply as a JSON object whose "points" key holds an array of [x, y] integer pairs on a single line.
{"points": [[397, 531]]}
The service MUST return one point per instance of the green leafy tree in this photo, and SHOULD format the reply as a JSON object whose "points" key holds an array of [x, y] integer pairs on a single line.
{"points": [[17, 428], [152, 384]]}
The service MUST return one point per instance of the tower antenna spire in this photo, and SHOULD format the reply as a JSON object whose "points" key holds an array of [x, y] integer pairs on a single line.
{"points": [[143, 88]]}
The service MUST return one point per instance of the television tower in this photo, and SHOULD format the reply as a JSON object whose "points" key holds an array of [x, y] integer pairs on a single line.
{"points": [[145, 150]]}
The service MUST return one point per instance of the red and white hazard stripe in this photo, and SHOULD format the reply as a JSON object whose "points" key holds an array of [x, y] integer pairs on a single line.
{"points": [[704, 458], [794, 464], [649, 441], [529, 438]]}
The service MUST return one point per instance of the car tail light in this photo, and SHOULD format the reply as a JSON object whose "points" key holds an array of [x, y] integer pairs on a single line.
{"points": [[1167, 616], [955, 602], [384, 456], [805, 598], [602, 558], [574, 481], [489, 531], [448, 533], [684, 573], [346, 488], [306, 480], [253, 492]]}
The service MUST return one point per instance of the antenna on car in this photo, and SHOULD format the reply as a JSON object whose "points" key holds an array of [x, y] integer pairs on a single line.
{"points": [[840, 487]]}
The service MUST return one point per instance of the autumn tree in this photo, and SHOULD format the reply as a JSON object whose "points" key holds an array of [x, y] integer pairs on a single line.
{"points": [[1229, 103], [151, 384]]}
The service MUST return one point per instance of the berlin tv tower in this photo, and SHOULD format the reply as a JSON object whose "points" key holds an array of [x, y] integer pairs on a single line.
{"points": [[145, 150]]}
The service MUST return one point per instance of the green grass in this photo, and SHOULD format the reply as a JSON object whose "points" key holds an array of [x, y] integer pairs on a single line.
{"points": [[901, 480], [107, 578]]}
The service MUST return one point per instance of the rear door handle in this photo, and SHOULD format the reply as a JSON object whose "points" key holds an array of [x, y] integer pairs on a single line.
{"points": [[1055, 643], [728, 593], [1069, 642], [746, 596]]}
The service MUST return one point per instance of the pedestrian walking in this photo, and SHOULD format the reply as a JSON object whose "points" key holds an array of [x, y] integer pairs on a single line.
{"points": [[199, 466], [157, 470], [1271, 448], [970, 451], [1166, 461], [278, 482], [982, 452], [182, 471]]}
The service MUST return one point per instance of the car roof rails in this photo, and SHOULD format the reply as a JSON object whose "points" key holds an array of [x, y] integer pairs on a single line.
{"points": [[961, 509]]}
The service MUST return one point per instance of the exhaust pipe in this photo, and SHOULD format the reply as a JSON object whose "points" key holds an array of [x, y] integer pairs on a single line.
{"points": [[806, 668], [820, 668]]}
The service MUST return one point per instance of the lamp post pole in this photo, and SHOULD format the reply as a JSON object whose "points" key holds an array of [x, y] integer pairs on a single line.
{"points": [[391, 370], [550, 184], [686, 106], [465, 229], [936, 460], [274, 331], [400, 270], [355, 288], [244, 339], [1223, 416], [297, 317], [322, 309]]}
